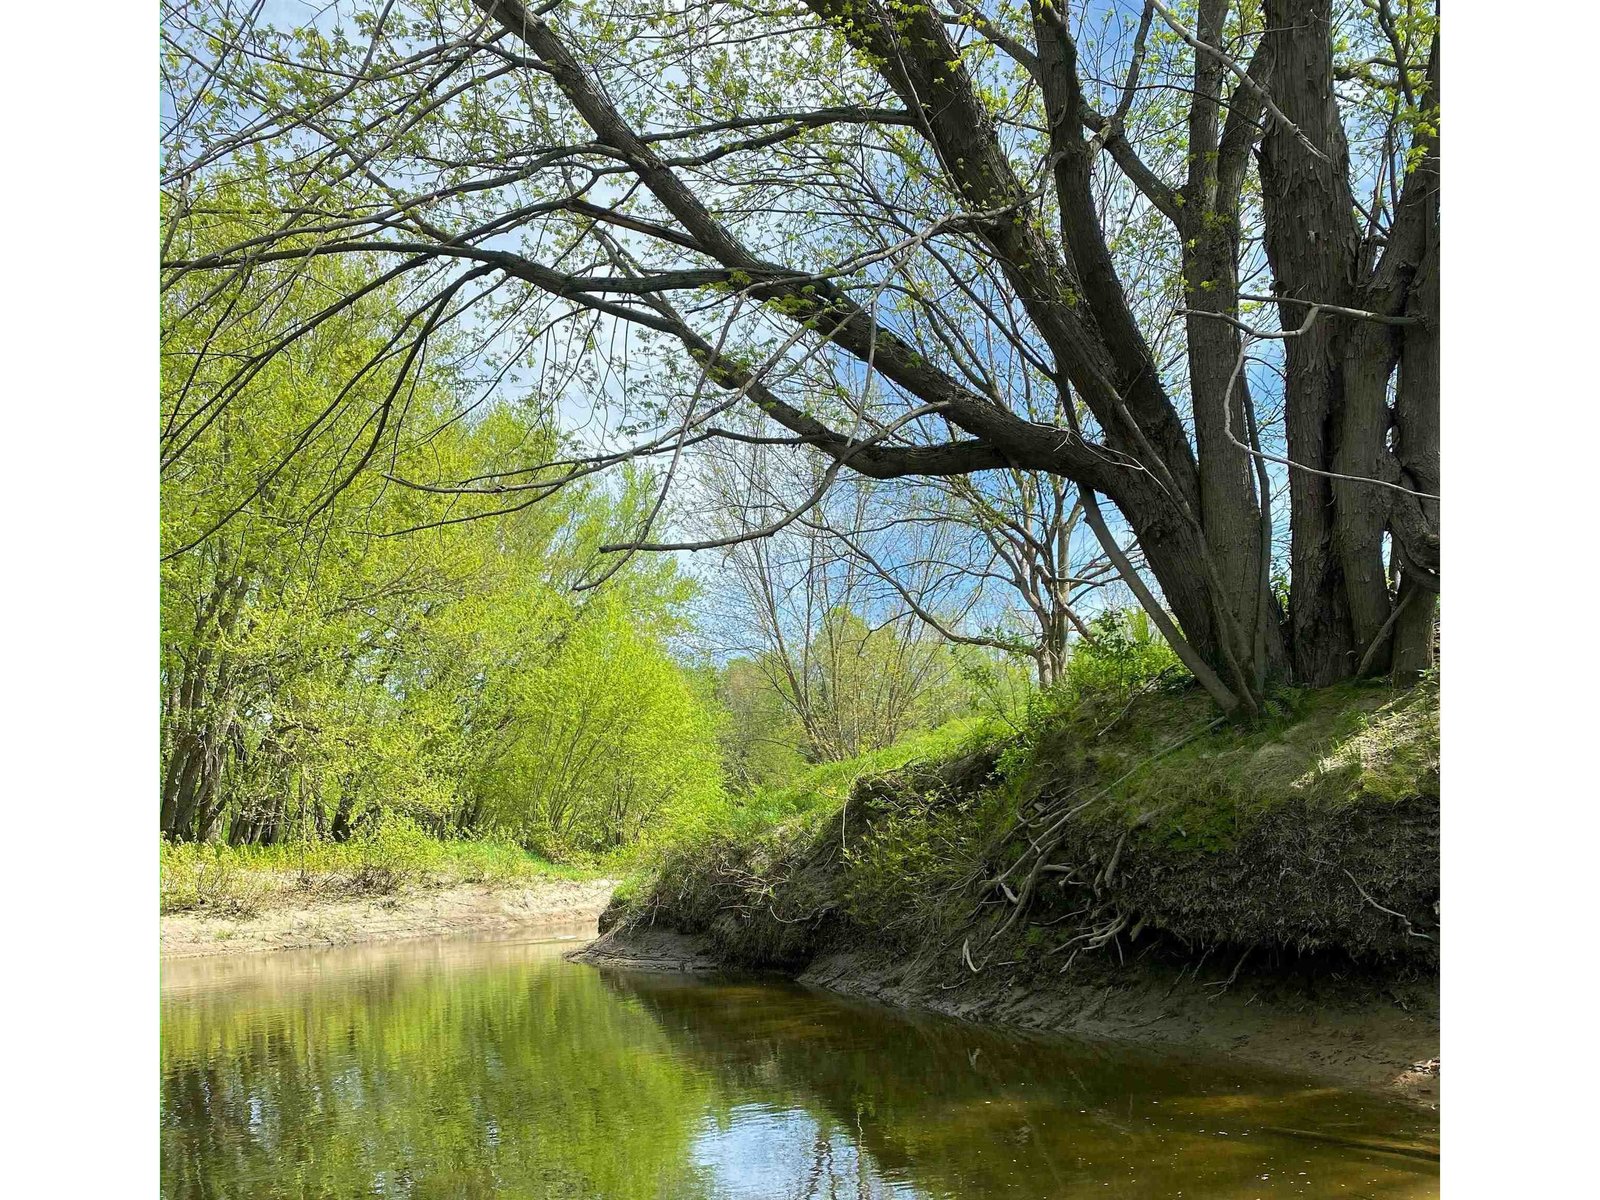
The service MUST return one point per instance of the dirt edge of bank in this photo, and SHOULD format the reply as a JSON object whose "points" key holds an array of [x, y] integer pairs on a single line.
{"points": [[414, 913], [1380, 1039]]}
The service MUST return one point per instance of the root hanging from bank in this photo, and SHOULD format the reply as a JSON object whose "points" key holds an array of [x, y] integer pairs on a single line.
{"points": [[1035, 861], [1092, 939]]}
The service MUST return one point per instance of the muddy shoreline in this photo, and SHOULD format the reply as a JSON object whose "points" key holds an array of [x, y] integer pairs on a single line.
{"points": [[1348, 1033], [420, 912]]}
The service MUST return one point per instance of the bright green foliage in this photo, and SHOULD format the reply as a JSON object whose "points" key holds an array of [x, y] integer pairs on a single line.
{"points": [[820, 789], [237, 880], [997, 684], [339, 650], [1125, 653], [610, 735], [763, 744]]}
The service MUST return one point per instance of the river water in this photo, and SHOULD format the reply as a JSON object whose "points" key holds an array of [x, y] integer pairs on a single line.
{"points": [[469, 1068]]}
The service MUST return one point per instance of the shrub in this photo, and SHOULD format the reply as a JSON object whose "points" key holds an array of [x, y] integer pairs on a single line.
{"points": [[207, 878], [1126, 654], [397, 852], [905, 877]]}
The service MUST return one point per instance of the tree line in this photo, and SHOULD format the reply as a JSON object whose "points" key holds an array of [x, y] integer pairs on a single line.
{"points": [[496, 338], [333, 656], [1184, 261], [337, 656]]}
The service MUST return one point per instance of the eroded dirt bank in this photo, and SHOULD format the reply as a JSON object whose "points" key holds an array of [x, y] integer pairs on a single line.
{"points": [[419, 912], [1136, 872], [1352, 1031]]}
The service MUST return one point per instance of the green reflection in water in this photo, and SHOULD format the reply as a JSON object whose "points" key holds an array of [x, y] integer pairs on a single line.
{"points": [[474, 1068]]}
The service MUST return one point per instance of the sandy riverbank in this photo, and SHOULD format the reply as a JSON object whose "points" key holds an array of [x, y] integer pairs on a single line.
{"points": [[411, 913]]}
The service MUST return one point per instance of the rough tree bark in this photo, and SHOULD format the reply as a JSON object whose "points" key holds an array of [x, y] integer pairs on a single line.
{"points": [[1337, 373]]}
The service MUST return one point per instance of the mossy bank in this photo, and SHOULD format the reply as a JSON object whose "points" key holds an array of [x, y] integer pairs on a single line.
{"points": [[1131, 868]]}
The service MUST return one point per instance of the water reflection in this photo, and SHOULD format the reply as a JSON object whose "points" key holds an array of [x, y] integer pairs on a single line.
{"points": [[494, 1068]]}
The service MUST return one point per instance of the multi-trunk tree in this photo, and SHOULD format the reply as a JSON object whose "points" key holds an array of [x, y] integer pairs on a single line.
{"points": [[1184, 256]]}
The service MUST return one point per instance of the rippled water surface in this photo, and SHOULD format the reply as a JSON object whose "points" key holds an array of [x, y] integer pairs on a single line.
{"points": [[474, 1068]]}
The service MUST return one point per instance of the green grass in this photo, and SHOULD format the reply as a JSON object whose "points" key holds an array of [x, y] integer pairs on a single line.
{"points": [[824, 787], [1208, 810], [237, 881], [1354, 744]]}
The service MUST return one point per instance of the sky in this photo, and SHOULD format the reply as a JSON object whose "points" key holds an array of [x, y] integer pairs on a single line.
{"points": [[590, 414]]}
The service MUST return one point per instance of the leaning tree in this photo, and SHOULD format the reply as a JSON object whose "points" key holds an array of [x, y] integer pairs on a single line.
{"points": [[1183, 255]]}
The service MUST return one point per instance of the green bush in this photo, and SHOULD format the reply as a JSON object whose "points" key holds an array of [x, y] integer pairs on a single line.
{"points": [[395, 855], [1125, 659], [1125, 654], [208, 878], [905, 877]]}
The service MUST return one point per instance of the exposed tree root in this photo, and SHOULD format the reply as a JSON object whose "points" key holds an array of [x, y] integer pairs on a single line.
{"points": [[1035, 860], [1409, 929]]}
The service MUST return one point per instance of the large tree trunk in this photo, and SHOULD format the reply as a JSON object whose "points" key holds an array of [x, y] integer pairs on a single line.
{"points": [[1347, 613], [1416, 519], [1361, 510], [1313, 245], [1230, 507]]}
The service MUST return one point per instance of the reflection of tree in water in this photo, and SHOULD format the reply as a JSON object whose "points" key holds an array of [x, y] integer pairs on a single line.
{"points": [[493, 1069], [956, 1110], [510, 1075]]}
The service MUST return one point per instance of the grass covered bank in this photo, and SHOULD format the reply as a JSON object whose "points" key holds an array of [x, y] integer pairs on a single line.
{"points": [[1106, 858], [397, 882]]}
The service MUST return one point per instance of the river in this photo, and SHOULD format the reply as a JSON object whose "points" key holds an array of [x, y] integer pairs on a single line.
{"points": [[465, 1068]]}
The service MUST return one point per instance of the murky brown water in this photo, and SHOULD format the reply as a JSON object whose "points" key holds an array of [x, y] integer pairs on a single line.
{"points": [[476, 1068]]}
